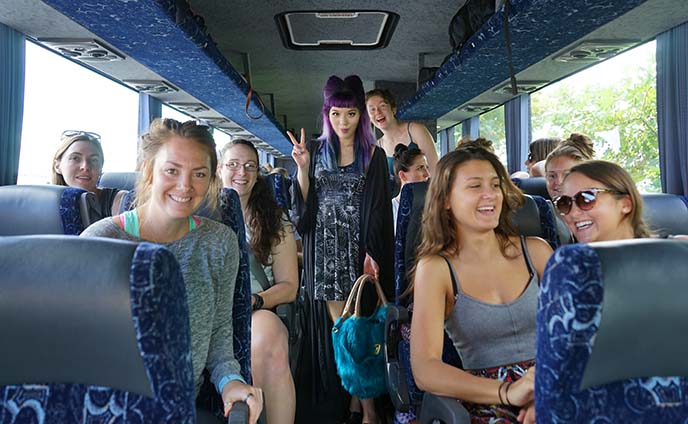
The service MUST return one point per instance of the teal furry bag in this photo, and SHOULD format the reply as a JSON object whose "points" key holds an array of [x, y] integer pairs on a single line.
{"points": [[359, 344]]}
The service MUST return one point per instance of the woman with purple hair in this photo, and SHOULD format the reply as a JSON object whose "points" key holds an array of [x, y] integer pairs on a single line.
{"points": [[343, 212]]}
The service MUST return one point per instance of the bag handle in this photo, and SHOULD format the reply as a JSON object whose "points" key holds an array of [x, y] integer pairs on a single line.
{"points": [[348, 310], [380, 294]]}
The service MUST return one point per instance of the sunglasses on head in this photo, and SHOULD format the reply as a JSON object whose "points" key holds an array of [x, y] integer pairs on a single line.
{"points": [[74, 133], [584, 199]]}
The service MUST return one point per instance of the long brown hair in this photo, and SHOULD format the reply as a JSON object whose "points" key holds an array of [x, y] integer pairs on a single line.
{"points": [[161, 131], [439, 231], [266, 219], [616, 178]]}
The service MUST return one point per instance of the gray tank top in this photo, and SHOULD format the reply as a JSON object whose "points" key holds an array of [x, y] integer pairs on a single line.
{"points": [[488, 335]]}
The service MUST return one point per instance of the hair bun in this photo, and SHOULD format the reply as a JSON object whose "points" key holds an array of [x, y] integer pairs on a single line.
{"points": [[399, 149], [333, 85], [354, 84]]}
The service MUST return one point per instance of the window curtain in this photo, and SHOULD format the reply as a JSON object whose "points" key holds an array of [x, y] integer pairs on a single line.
{"points": [[447, 142], [517, 127], [471, 128], [672, 109], [12, 64], [149, 109]]}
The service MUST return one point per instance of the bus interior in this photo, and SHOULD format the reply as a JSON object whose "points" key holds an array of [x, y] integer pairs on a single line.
{"points": [[255, 69]]}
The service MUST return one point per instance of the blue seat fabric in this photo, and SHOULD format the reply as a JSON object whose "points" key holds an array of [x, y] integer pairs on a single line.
{"points": [[280, 189], [570, 309], [160, 320]]}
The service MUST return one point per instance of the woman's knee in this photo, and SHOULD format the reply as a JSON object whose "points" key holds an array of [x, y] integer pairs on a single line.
{"points": [[269, 338]]}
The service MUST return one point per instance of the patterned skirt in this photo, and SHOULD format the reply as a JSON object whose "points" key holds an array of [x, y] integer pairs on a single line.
{"points": [[497, 414]]}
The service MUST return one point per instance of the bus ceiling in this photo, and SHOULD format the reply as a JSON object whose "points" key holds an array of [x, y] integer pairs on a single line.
{"points": [[190, 55]]}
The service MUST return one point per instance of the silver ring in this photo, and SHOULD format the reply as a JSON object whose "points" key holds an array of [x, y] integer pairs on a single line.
{"points": [[247, 396]]}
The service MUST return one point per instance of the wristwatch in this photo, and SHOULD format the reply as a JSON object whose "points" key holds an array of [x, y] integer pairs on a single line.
{"points": [[257, 301]]}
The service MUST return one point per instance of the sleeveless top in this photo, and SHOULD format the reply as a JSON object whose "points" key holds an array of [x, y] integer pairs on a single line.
{"points": [[262, 276], [411, 145], [488, 335], [130, 223]]}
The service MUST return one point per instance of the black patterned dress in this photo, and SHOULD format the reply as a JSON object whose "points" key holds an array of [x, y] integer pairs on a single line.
{"points": [[347, 215], [337, 229]]}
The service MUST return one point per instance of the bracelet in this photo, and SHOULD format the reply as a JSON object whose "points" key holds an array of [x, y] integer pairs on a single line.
{"points": [[499, 393], [258, 301], [506, 393]]}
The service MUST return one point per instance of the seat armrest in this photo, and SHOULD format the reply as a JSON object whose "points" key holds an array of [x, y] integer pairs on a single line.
{"points": [[444, 409], [238, 414], [394, 372], [287, 313]]}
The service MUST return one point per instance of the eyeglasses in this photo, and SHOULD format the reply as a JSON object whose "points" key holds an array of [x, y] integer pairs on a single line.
{"points": [[87, 134], [235, 165], [530, 157], [585, 200]]}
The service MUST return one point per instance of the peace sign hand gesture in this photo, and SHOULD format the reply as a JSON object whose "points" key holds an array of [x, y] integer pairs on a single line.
{"points": [[301, 155]]}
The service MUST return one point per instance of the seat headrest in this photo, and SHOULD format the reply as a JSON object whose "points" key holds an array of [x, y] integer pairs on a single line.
{"points": [[666, 214], [625, 304], [42, 209], [527, 218], [534, 185], [119, 180], [418, 192], [67, 314]]}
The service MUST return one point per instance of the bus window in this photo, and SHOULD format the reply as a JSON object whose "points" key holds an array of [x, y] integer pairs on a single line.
{"points": [[62, 95], [492, 128], [172, 113], [615, 104], [221, 138]]}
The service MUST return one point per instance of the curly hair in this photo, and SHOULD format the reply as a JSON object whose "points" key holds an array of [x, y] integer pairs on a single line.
{"points": [[265, 217]]}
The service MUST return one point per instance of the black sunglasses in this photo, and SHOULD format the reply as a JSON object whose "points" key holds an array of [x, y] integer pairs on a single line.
{"points": [[585, 200], [87, 134]]}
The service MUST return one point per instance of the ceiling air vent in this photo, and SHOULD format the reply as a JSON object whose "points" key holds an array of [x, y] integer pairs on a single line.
{"points": [[85, 50], [336, 29], [478, 107], [213, 121], [521, 86], [231, 129], [595, 50], [190, 107], [151, 86]]}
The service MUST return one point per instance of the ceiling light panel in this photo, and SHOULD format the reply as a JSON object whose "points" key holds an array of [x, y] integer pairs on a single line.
{"points": [[595, 50], [190, 107], [478, 107], [151, 86], [85, 50], [521, 86]]}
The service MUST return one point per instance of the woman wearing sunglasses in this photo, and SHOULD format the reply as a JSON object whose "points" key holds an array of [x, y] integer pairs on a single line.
{"points": [[78, 162], [599, 202]]}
